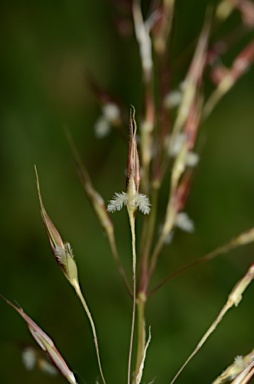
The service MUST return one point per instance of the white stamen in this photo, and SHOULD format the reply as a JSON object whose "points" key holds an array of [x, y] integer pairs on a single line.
{"points": [[173, 99], [102, 127], [183, 222], [142, 203], [175, 144], [138, 200], [192, 159], [29, 358], [111, 112], [117, 203], [61, 255]]}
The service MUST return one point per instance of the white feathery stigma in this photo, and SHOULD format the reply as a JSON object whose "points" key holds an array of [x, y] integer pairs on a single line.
{"points": [[140, 201]]}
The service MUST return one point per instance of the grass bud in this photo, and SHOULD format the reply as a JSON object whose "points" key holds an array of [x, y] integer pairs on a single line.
{"points": [[62, 251]]}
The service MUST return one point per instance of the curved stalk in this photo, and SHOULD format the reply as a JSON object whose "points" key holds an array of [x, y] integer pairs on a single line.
{"points": [[243, 238], [90, 318]]}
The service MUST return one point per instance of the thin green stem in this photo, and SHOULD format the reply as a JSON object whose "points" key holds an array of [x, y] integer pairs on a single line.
{"points": [[141, 338], [234, 299], [90, 318], [242, 239], [203, 340], [147, 238], [155, 255], [151, 225], [131, 214], [190, 265], [148, 233]]}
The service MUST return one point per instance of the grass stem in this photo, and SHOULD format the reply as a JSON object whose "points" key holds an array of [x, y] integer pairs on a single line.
{"points": [[134, 262], [90, 318]]}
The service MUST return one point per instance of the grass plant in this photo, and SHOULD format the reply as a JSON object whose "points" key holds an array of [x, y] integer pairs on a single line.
{"points": [[161, 143]]}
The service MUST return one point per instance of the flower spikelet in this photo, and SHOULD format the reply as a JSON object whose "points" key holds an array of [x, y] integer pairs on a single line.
{"points": [[61, 251], [139, 201], [131, 198]]}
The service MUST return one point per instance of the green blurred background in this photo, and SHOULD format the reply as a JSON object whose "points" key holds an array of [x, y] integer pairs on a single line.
{"points": [[46, 47]]}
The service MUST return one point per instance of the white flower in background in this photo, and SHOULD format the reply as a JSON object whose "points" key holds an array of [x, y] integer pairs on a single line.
{"points": [[110, 116], [174, 147], [29, 358], [175, 144], [183, 222], [173, 99], [192, 159], [111, 112], [102, 127]]}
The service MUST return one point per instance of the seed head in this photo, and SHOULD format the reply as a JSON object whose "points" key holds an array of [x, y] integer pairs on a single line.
{"points": [[131, 198], [62, 251], [133, 167]]}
